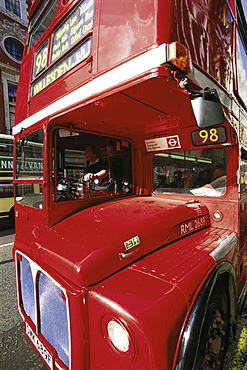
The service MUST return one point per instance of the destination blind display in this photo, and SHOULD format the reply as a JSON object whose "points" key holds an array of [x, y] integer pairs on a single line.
{"points": [[70, 32], [64, 65], [74, 28]]}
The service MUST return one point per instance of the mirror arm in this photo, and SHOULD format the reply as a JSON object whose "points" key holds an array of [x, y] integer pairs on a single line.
{"points": [[207, 93], [184, 85]]}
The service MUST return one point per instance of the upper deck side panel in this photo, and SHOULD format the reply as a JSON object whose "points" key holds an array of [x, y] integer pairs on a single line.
{"points": [[120, 31], [124, 29], [206, 29]]}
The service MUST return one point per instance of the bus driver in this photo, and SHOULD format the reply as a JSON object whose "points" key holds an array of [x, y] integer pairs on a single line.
{"points": [[95, 170]]}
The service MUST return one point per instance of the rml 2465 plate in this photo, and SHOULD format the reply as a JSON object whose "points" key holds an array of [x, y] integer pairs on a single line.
{"points": [[45, 354]]}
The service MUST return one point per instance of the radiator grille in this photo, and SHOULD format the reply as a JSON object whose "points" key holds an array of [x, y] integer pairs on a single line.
{"points": [[27, 288], [44, 301]]}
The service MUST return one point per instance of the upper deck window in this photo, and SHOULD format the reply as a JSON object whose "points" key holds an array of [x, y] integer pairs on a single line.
{"points": [[197, 172], [63, 65], [241, 69], [65, 48], [89, 166], [241, 51], [41, 19], [72, 29]]}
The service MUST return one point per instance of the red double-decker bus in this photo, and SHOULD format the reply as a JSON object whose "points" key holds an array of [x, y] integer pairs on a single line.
{"points": [[130, 247]]}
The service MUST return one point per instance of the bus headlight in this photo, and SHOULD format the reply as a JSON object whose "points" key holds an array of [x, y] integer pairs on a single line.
{"points": [[118, 336]]}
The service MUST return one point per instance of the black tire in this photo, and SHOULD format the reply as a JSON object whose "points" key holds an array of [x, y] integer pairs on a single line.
{"points": [[214, 338]]}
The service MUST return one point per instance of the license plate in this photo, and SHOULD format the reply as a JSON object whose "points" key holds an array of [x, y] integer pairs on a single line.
{"points": [[39, 346]]}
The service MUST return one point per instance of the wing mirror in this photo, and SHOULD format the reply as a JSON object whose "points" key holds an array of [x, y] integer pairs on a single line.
{"points": [[206, 106]]}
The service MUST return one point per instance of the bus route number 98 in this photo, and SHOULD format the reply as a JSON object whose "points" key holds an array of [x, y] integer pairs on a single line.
{"points": [[207, 136], [40, 59]]}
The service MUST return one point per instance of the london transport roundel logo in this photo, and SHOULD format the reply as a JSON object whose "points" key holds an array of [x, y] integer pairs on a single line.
{"points": [[163, 143]]}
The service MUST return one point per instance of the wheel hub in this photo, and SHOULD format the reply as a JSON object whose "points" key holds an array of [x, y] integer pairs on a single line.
{"points": [[216, 335]]}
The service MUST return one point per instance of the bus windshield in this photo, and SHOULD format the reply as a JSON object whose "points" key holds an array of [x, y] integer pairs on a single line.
{"points": [[88, 166], [197, 172]]}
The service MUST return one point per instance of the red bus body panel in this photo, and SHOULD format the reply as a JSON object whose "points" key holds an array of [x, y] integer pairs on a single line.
{"points": [[140, 259], [141, 26]]}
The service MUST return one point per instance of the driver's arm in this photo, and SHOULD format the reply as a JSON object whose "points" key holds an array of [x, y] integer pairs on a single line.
{"points": [[99, 175]]}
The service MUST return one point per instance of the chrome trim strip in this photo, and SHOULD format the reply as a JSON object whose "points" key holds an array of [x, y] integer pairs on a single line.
{"points": [[224, 247]]}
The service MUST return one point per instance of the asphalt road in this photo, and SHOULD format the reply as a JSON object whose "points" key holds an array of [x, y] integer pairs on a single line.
{"points": [[16, 353]]}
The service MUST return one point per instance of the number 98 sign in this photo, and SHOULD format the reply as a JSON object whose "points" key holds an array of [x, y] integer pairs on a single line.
{"points": [[40, 59], [209, 136]]}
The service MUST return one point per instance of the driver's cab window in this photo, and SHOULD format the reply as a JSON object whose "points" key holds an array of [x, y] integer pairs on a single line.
{"points": [[29, 170], [197, 172], [89, 166]]}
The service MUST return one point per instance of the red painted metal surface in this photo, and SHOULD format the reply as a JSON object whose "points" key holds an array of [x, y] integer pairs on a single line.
{"points": [[143, 259], [141, 26], [76, 248]]}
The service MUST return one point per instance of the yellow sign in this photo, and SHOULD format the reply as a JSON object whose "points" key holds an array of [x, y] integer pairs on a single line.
{"points": [[209, 136], [40, 59], [74, 28], [69, 33], [61, 67]]}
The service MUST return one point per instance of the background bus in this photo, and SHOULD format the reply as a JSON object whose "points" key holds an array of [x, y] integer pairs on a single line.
{"points": [[29, 164], [6, 178]]}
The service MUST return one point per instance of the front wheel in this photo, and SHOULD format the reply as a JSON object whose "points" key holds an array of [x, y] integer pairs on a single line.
{"points": [[214, 338]]}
